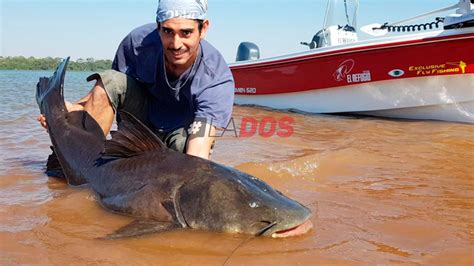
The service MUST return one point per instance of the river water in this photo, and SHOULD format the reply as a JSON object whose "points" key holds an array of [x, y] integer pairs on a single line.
{"points": [[382, 192]]}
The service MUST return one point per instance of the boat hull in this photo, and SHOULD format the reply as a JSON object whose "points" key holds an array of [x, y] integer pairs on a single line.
{"points": [[451, 98], [404, 78]]}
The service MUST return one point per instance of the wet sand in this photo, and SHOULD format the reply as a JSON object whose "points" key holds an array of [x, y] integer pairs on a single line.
{"points": [[382, 192]]}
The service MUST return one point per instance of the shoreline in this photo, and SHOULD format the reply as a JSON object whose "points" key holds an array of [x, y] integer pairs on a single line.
{"points": [[49, 63]]}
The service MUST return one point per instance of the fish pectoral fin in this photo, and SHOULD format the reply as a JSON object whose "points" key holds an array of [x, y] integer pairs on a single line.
{"points": [[141, 227]]}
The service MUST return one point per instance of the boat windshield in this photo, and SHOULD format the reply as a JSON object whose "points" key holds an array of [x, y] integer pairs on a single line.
{"points": [[342, 13]]}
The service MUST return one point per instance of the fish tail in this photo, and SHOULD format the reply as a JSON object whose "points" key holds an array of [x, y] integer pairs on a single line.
{"points": [[41, 89], [49, 91]]}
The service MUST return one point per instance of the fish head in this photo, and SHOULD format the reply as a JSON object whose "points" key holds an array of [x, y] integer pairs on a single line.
{"points": [[240, 203]]}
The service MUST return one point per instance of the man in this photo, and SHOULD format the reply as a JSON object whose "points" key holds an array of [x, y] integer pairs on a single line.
{"points": [[169, 77]]}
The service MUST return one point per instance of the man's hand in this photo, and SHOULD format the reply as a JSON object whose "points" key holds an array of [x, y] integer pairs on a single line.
{"points": [[42, 119], [69, 106]]}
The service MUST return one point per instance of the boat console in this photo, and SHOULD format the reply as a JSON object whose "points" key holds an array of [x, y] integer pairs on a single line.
{"points": [[333, 35], [339, 28]]}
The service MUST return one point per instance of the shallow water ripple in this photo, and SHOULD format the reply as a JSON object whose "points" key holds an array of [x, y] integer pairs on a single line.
{"points": [[381, 191]]}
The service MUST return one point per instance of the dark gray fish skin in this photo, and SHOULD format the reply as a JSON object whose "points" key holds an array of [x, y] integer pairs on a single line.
{"points": [[135, 174], [69, 131]]}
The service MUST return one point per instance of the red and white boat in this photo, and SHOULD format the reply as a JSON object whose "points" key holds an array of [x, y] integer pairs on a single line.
{"points": [[417, 76]]}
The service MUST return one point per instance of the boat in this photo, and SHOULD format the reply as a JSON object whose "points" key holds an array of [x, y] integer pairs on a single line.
{"points": [[414, 74]]}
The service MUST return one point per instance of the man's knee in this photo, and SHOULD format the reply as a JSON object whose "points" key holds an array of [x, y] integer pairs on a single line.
{"points": [[99, 96]]}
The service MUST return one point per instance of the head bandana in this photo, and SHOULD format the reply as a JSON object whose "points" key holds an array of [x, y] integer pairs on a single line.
{"points": [[190, 9]]}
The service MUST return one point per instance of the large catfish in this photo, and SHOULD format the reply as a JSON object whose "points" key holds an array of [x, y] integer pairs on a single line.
{"points": [[135, 174]]}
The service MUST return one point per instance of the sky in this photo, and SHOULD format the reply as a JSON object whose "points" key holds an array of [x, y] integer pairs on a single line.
{"points": [[94, 28]]}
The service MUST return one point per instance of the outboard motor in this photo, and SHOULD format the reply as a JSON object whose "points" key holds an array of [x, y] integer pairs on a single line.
{"points": [[317, 41], [247, 51]]}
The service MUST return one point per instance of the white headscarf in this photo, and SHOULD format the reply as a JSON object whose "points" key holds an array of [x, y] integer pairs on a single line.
{"points": [[190, 9]]}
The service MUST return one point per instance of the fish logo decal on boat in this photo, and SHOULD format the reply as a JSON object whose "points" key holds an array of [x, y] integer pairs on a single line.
{"points": [[461, 64], [343, 70]]}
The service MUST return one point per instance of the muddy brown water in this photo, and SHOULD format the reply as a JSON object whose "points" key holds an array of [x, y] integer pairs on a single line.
{"points": [[382, 192]]}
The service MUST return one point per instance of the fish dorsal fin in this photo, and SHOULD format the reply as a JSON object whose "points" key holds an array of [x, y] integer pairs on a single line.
{"points": [[131, 139]]}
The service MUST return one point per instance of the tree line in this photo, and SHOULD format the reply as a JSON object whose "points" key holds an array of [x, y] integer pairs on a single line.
{"points": [[49, 63]]}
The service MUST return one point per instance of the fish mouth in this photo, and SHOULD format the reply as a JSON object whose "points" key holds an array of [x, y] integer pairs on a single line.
{"points": [[276, 231], [298, 230]]}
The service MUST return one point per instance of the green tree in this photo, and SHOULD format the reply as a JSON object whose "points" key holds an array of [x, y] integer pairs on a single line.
{"points": [[49, 63]]}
